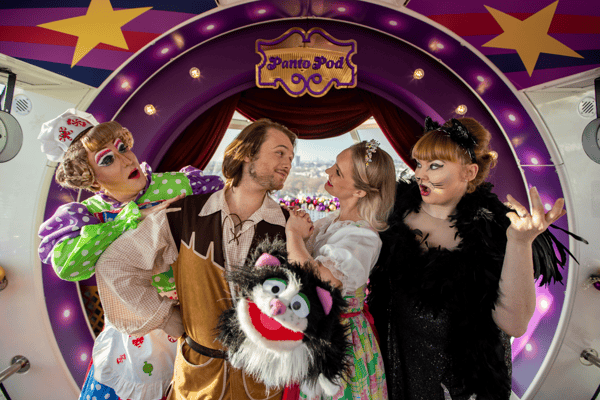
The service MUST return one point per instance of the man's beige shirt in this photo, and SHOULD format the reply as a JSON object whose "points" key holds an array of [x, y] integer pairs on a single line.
{"points": [[124, 272]]}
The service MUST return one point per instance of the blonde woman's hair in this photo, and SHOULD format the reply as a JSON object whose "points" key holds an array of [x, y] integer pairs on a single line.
{"points": [[75, 171], [437, 145], [378, 181]]}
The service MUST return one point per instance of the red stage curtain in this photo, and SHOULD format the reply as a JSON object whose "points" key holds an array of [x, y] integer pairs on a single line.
{"points": [[334, 114], [199, 141], [399, 128]]}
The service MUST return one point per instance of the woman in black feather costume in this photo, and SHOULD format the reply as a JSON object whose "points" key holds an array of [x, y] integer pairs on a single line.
{"points": [[455, 278]]}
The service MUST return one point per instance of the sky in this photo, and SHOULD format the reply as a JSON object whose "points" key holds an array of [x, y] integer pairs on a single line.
{"points": [[324, 149]]}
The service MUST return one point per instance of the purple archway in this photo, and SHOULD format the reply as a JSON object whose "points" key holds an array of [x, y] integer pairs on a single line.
{"points": [[390, 44]]}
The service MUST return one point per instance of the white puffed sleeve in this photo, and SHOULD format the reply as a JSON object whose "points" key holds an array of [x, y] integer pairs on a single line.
{"points": [[350, 253]]}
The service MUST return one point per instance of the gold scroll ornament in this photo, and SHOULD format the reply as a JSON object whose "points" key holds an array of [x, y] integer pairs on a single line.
{"points": [[306, 62]]}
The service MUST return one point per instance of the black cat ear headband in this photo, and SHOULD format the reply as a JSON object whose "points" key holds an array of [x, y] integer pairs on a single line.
{"points": [[458, 133]]}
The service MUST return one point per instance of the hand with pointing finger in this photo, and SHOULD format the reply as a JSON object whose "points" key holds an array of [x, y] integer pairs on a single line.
{"points": [[165, 204]]}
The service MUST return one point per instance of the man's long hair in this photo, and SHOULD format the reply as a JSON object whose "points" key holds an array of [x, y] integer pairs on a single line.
{"points": [[247, 144]]}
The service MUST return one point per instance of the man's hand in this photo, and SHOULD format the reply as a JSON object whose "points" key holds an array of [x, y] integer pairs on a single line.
{"points": [[150, 210]]}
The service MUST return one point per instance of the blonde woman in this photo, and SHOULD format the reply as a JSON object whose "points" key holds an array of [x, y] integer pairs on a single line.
{"points": [[344, 247]]}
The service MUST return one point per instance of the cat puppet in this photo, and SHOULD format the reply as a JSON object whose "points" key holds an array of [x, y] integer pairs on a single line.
{"points": [[285, 326]]}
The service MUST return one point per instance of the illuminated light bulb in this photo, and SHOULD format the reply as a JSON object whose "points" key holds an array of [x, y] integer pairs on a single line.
{"points": [[125, 85], [195, 73], [480, 78], [494, 155], [528, 347], [517, 141], [512, 118], [84, 357], [165, 50], [342, 9], [534, 161], [261, 11], [393, 23], [461, 110], [435, 45], [544, 304], [67, 313], [149, 109], [548, 207], [210, 27], [418, 74], [178, 39]]}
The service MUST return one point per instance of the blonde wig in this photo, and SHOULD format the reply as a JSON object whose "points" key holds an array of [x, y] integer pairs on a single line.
{"points": [[75, 171], [378, 181]]}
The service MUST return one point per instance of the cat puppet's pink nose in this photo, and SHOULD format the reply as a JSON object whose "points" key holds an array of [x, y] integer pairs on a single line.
{"points": [[277, 307]]}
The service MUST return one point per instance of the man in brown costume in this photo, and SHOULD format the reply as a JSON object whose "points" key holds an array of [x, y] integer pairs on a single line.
{"points": [[201, 236]]}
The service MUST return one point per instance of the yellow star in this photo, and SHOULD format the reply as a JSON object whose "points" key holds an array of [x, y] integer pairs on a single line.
{"points": [[530, 37], [101, 24]]}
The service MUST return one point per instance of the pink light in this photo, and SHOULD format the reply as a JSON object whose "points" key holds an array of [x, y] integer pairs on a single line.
{"points": [[543, 304], [165, 50], [512, 117], [531, 349], [393, 23], [211, 27], [252, 13], [66, 314], [342, 9], [124, 84], [543, 309], [82, 354]]}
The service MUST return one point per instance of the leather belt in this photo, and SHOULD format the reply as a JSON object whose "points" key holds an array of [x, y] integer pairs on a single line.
{"points": [[205, 351]]}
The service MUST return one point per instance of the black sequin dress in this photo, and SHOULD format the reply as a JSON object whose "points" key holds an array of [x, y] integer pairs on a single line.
{"points": [[433, 309]]}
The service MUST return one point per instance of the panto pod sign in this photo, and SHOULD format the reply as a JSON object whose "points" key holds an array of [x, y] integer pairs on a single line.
{"points": [[306, 62]]}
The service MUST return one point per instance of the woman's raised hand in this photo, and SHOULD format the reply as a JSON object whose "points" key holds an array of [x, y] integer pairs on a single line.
{"points": [[527, 226]]}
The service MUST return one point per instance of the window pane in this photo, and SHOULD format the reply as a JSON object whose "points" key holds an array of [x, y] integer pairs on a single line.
{"points": [[377, 134], [312, 158]]}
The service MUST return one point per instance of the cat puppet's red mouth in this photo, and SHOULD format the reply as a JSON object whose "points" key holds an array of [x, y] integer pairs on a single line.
{"points": [[269, 328]]}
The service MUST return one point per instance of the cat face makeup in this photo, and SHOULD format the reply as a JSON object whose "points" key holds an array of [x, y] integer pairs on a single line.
{"points": [[441, 182], [117, 171]]}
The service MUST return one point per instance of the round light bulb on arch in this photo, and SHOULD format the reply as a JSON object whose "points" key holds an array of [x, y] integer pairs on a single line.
{"points": [[418, 74], [150, 109], [461, 110], [195, 73]]}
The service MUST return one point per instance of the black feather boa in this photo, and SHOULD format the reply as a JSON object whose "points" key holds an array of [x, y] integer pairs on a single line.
{"points": [[463, 281]]}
